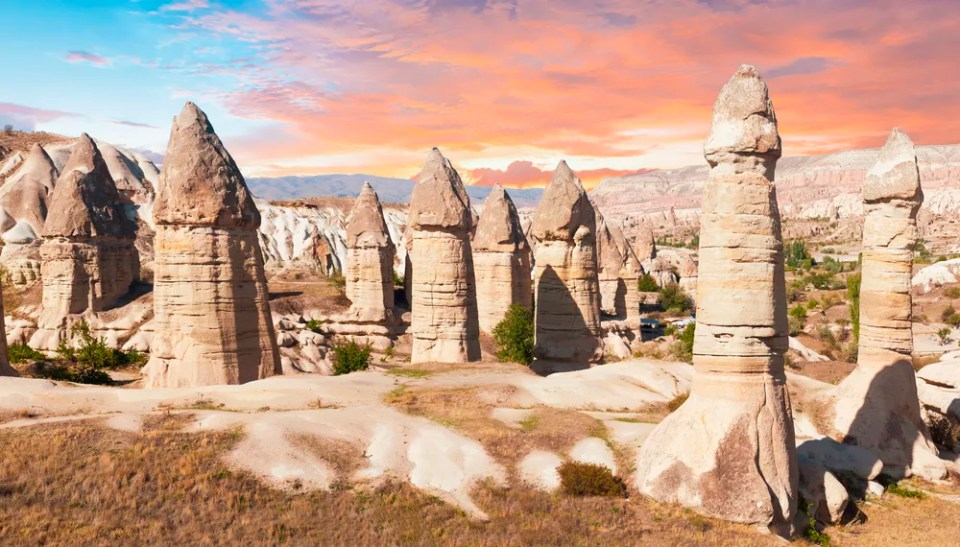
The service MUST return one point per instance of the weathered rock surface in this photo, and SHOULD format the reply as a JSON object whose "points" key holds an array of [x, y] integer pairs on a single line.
{"points": [[617, 272], [501, 260], [729, 450], [5, 368], [25, 195], [445, 326], [213, 323], [370, 257], [566, 287], [820, 488], [88, 256], [877, 404]]}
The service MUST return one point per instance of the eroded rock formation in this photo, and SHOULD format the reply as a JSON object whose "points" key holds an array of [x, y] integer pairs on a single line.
{"points": [[5, 368], [370, 255], [213, 323], [25, 195], [88, 256], [501, 260], [729, 450], [877, 405], [566, 286], [618, 270], [444, 299]]}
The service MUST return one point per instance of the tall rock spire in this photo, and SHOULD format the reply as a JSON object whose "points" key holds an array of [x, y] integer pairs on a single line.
{"points": [[370, 255], [88, 255], [729, 450], [444, 299], [566, 286], [877, 404], [501, 258], [213, 322], [26, 195]]}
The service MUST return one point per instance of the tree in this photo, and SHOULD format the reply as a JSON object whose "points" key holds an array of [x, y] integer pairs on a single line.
{"points": [[514, 335]]}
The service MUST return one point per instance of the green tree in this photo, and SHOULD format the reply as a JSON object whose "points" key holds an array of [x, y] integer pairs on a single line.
{"points": [[350, 357], [673, 299], [647, 283], [514, 335]]}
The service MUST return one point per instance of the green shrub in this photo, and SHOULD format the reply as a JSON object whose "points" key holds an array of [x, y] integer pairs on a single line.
{"points": [[673, 299], [514, 335], [811, 532], [350, 357], [647, 283], [694, 242], [683, 348], [947, 312], [585, 479], [337, 280], [18, 353], [796, 319], [796, 256], [812, 303], [952, 292], [953, 320], [943, 334], [397, 279], [905, 492], [90, 358], [314, 325]]}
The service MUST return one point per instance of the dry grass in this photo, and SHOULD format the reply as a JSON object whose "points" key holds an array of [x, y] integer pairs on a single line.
{"points": [[296, 297], [77, 484]]}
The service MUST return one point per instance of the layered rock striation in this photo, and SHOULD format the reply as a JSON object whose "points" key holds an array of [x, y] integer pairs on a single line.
{"points": [[370, 256], [729, 450], [213, 323], [501, 260], [877, 404], [566, 286], [444, 321], [88, 257]]}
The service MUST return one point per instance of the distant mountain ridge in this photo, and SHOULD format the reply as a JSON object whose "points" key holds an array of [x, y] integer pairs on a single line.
{"points": [[390, 190]]}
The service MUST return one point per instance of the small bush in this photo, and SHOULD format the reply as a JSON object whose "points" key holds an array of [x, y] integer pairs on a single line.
{"points": [[849, 351], [811, 532], [337, 281], [647, 283], [350, 357], [315, 326], [943, 334], [676, 402], [947, 312], [952, 292], [397, 279], [673, 299], [585, 479], [514, 335], [944, 431], [683, 347], [813, 303], [796, 319], [19, 353], [905, 492]]}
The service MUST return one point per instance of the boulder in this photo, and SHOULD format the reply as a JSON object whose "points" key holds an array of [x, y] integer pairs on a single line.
{"points": [[729, 451], [213, 323]]}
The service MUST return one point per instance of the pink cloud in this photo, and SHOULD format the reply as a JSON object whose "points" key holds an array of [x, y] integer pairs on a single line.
{"points": [[77, 57]]}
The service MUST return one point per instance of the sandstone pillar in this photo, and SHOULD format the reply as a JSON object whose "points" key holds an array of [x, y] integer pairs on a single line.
{"points": [[5, 368], [566, 287], [877, 405], [729, 451], [444, 300], [213, 323], [88, 255], [618, 272], [501, 260], [370, 255]]}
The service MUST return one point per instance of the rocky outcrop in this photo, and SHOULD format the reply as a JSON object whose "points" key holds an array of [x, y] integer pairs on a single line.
{"points": [[24, 196], [370, 256], [501, 260], [729, 450], [877, 404], [444, 300], [5, 368], [213, 323], [566, 287], [617, 272], [88, 258]]}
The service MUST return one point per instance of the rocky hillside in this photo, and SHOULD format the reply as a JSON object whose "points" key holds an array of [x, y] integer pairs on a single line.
{"points": [[808, 187]]}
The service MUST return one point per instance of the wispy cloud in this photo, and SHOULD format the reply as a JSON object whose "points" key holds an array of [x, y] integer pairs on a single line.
{"points": [[27, 117], [134, 124], [77, 57], [186, 5]]}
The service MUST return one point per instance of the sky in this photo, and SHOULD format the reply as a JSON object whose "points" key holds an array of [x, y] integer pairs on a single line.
{"points": [[505, 88]]}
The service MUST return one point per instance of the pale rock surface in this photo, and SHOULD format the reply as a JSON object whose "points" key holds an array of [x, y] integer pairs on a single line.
{"points": [[594, 450], [539, 470], [937, 275], [729, 450], [806, 353], [617, 272], [501, 260], [25, 195], [820, 488], [566, 286], [370, 257], [88, 257], [5, 368], [213, 322], [445, 325], [877, 406]]}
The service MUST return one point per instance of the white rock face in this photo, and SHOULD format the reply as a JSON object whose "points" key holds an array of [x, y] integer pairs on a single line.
{"points": [[826, 495], [445, 325], [594, 451], [213, 323], [566, 286], [501, 260], [370, 260], [729, 450], [539, 469], [937, 275], [877, 405]]}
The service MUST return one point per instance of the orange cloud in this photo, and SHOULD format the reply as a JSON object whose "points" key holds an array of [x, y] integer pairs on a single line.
{"points": [[631, 85], [524, 174]]}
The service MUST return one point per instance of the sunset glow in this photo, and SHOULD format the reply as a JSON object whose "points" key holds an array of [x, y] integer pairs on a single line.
{"points": [[505, 87]]}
